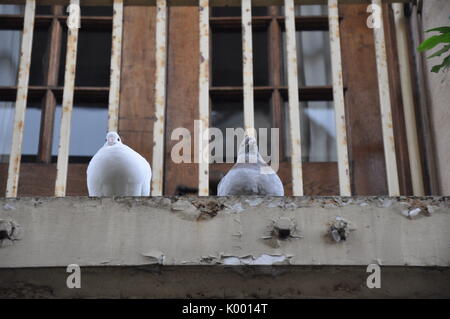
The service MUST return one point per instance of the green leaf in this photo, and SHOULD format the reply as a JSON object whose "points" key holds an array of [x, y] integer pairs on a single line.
{"points": [[440, 29], [436, 68], [440, 52], [434, 41], [445, 65]]}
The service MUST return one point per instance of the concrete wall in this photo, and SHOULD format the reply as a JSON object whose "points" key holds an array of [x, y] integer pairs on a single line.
{"points": [[228, 242], [436, 14]]}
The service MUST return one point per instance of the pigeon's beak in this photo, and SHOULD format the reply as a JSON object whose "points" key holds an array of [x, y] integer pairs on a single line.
{"points": [[111, 140]]}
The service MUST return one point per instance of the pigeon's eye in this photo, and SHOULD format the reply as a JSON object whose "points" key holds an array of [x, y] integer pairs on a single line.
{"points": [[118, 140]]}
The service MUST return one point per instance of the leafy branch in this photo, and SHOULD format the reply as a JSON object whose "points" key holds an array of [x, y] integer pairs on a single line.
{"points": [[432, 42]]}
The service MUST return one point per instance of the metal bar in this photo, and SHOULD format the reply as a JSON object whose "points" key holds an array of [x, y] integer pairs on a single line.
{"points": [[338, 98], [294, 107], [385, 105], [160, 98], [247, 62], [67, 105], [116, 59], [203, 187], [21, 100], [408, 101]]}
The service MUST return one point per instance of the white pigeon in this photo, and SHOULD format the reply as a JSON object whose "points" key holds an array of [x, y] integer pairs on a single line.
{"points": [[250, 175], [117, 170]]}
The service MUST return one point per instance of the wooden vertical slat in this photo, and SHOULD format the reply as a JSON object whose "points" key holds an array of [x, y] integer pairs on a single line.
{"points": [[116, 59], [365, 138], [51, 79], [338, 98], [203, 158], [275, 67], [294, 107], [398, 118], [160, 98], [247, 60], [408, 101], [136, 120], [182, 109], [385, 106], [67, 105], [422, 99], [21, 100]]}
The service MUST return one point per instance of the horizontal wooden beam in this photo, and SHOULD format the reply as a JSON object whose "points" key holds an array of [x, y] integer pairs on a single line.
{"points": [[15, 22], [32, 183], [312, 93], [320, 178], [303, 23], [95, 94], [214, 3], [36, 93]]}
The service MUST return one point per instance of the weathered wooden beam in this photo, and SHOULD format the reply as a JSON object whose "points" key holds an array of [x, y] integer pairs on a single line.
{"points": [[408, 101], [302, 23], [67, 106], [182, 90], [160, 98], [203, 149], [136, 121], [15, 21], [275, 67], [312, 93], [294, 105], [338, 98], [116, 61], [247, 66], [422, 100], [51, 79], [21, 100], [386, 109], [214, 3]]}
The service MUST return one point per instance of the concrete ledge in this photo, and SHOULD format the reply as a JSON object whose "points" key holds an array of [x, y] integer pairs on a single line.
{"points": [[215, 231]]}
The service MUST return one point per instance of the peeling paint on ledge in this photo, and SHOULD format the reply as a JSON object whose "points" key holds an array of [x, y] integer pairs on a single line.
{"points": [[264, 259], [251, 230]]}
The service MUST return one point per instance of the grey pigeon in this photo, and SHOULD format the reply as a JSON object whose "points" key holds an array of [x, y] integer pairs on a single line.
{"points": [[117, 170], [250, 175]]}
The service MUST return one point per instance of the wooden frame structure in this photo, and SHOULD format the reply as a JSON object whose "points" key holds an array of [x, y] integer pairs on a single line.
{"points": [[274, 22]]}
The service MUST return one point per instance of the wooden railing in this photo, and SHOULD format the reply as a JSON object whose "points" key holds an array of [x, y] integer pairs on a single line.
{"points": [[204, 80]]}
